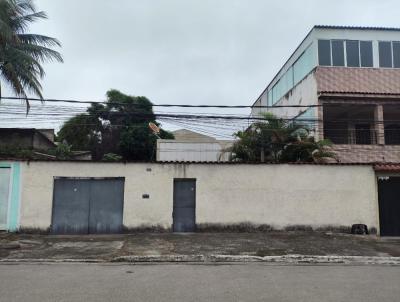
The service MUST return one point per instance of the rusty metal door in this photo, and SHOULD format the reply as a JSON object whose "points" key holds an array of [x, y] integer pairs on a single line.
{"points": [[184, 212], [87, 205]]}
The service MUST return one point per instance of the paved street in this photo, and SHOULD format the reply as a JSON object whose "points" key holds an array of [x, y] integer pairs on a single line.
{"points": [[189, 282]]}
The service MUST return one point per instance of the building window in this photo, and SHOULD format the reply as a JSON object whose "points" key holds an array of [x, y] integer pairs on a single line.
{"points": [[396, 54], [353, 53], [338, 53], [366, 54], [350, 53], [385, 54], [324, 52]]}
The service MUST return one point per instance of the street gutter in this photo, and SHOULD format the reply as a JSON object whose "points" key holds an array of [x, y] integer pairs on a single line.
{"points": [[205, 259]]}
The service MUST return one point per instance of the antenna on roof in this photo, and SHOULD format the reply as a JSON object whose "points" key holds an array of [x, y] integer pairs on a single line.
{"points": [[156, 130]]}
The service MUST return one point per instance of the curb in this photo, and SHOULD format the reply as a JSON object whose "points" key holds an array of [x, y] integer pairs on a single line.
{"points": [[284, 259], [51, 260]]}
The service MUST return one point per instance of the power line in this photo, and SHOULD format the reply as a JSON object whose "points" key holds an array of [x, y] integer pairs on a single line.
{"points": [[156, 105]]}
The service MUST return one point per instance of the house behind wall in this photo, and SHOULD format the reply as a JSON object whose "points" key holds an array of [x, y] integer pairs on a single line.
{"points": [[281, 196], [350, 78], [41, 139], [190, 146]]}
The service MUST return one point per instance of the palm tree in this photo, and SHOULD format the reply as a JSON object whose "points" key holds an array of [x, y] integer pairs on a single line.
{"points": [[22, 53], [278, 140]]}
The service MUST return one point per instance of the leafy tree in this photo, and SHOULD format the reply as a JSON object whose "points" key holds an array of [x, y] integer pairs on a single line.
{"points": [[278, 140], [120, 126], [22, 53]]}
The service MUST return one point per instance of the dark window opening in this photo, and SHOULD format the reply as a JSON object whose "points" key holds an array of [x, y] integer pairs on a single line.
{"points": [[338, 53], [385, 54], [396, 54], [336, 132], [366, 53], [363, 134], [324, 52], [392, 134], [349, 123], [353, 53]]}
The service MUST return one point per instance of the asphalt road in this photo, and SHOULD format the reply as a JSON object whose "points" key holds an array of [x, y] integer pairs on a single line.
{"points": [[195, 282]]}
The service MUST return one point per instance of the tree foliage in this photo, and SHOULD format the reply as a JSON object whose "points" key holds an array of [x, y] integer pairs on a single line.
{"points": [[120, 126], [278, 140], [22, 53]]}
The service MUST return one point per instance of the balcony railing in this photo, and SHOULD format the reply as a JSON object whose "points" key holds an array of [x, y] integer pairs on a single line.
{"points": [[354, 136]]}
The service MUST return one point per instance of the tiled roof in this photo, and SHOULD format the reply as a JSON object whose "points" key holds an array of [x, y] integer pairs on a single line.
{"points": [[358, 80], [389, 167], [357, 27]]}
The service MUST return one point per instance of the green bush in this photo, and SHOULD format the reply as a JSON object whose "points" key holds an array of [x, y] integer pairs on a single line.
{"points": [[112, 157]]}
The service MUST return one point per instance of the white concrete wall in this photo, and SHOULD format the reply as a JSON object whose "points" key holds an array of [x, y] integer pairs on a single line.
{"points": [[304, 93], [278, 195]]}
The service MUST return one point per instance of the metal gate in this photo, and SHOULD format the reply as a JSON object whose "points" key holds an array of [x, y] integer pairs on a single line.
{"points": [[184, 213], [90, 205], [5, 174], [389, 205]]}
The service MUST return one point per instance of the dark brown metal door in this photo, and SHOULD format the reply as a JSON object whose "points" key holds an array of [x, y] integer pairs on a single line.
{"points": [[389, 205]]}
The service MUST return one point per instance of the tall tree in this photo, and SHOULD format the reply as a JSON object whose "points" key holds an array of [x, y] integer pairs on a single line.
{"points": [[22, 53], [119, 126]]}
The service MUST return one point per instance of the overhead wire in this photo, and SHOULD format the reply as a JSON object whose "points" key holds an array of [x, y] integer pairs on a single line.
{"points": [[154, 105]]}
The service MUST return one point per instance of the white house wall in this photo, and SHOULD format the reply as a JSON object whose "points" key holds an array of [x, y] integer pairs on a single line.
{"points": [[277, 195], [304, 93]]}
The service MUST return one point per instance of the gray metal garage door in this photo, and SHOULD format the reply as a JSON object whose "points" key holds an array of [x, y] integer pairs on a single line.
{"points": [[184, 214], [82, 206]]}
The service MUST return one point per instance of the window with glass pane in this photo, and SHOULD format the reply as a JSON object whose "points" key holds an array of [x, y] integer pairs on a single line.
{"points": [[366, 53], [324, 52], [337, 53], [353, 53], [385, 54], [396, 54]]}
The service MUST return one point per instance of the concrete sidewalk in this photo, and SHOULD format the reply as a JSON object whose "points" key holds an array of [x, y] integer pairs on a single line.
{"points": [[201, 247]]}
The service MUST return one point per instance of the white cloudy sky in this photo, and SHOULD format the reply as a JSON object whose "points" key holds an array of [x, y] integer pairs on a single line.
{"points": [[186, 51]]}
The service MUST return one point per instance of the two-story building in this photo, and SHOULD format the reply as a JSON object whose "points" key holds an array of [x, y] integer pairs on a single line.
{"points": [[349, 77]]}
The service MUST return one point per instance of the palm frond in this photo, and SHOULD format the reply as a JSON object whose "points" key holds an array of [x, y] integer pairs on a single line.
{"points": [[22, 53], [38, 40]]}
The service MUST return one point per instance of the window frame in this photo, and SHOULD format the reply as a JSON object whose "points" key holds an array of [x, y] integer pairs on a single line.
{"points": [[330, 51], [391, 52], [372, 53], [346, 54], [392, 44]]}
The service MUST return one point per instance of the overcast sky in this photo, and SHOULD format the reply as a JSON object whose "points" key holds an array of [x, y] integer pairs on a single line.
{"points": [[186, 51]]}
